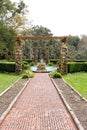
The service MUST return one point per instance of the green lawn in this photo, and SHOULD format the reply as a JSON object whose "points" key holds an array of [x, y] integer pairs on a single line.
{"points": [[6, 80], [78, 81]]}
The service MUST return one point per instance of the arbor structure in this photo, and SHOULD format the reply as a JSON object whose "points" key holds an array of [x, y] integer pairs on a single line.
{"points": [[19, 46]]}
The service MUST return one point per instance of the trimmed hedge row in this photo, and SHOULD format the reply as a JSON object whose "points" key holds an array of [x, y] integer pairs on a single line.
{"points": [[7, 66], [77, 67], [10, 66], [72, 67], [55, 61]]}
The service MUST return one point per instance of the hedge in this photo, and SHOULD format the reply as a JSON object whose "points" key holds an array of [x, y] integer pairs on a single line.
{"points": [[10, 66], [55, 61], [29, 60], [77, 67], [7, 66]]}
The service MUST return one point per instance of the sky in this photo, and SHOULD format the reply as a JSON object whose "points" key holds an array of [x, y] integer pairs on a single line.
{"points": [[62, 17]]}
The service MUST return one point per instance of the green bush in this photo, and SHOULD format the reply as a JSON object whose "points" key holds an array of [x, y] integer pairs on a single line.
{"points": [[24, 76], [50, 64], [32, 63], [25, 67], [10, 66], [77, 67], [7, 66], [25, 62], [29, 61], [28, 73], [54, 61], [55, 75]]}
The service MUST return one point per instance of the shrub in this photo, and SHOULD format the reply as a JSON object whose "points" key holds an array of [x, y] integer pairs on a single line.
{"points": [[24, 76], [29, 60], [29, 73], [25, 67], [55, 75], [77, 67], [10, 66], [25, 62], [54, 61], [50, 64], [32, 63], [7, 66]]}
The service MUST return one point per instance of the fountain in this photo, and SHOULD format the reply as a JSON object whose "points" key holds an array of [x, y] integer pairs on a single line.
{"points": [[41, 67]]}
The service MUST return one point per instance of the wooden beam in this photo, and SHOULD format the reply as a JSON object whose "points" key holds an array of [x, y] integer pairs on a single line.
{"points": [[63, 38]]}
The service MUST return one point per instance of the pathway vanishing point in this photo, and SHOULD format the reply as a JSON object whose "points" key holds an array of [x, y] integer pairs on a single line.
{"points": [[39, 107]]}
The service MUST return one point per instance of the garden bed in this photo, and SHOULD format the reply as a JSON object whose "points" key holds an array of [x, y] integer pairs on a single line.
{"points": [[10, 94], [78, 105]]}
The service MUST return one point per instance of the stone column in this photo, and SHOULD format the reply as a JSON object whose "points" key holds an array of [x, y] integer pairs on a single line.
{"points": [[18, 55], [35, 52], [63, 58], [47, 54]]}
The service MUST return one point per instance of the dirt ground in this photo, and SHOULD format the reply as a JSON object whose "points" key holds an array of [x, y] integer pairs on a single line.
{"points": [[8, 97], [77, 103]]}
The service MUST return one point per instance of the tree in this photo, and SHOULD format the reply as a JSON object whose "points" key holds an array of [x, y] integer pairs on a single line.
{"points": [[11, 19], [82, 49], [74, 41], [40, 46], [40, 31], [18, 18], [6, 40], [6, 9]]}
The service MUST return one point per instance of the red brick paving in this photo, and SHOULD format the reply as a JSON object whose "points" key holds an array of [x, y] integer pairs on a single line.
{"points": [[39, 108]]}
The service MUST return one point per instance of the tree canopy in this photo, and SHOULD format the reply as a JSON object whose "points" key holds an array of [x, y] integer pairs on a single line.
{"points": [[11, 18]]}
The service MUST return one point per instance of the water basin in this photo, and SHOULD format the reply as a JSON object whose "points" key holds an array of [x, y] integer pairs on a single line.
{"points": [[48, 68]]}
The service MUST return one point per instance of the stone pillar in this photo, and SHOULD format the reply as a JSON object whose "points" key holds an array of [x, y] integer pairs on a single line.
{"points": [[35, 52], [47, 54], [63, 58], [18, 55]]}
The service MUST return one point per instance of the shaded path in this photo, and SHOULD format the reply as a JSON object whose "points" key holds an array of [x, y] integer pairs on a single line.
{"points": [[39, 108]]}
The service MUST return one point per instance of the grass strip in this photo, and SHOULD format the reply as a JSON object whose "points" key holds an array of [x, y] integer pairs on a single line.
{"points": [[78, 81]]}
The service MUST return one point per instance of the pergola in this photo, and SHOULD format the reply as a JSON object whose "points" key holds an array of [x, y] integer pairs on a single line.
{"points": [[19, 50]]}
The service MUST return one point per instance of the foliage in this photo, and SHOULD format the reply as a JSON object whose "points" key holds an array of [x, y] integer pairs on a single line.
{"points": [[7, 66], [27, 74], [41, 45], [77, 67], [40, 31], [55, 75], [77, 48], [25, 62], [55, 61], [7, 79], [28, 60], [25, 67], [12, 17], [74, 41], [78, 81], [24, 76], [6, 40], [32, 63], [6, 7], [50, 64]]}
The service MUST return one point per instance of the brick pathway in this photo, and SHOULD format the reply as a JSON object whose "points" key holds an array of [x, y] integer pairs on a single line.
{"points": [[39, 108]]}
